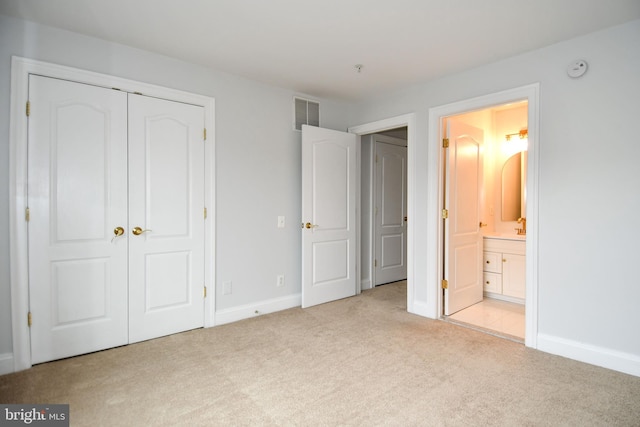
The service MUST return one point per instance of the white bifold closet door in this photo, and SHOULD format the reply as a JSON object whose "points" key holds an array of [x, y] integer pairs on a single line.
{"points": [[102, 162]]}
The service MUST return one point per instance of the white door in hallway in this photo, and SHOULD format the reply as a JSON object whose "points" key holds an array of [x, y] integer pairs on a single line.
{"points": [[166, 217], [328, 215], [77, 197], [463, 238], [390, 213]]}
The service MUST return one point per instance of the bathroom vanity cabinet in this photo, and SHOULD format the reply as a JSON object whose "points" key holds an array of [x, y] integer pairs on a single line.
{"points": [[504, 268]]}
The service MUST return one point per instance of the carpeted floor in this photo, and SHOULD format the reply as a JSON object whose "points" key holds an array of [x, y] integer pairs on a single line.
{"points": [[354, 362]]}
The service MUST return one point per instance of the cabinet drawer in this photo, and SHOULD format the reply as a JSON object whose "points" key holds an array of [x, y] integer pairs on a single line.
{"points": [[492, 262], [492, 282]]}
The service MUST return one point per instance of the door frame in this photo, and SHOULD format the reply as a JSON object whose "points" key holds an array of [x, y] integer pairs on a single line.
{"points": [[408, 120], [21, 68], [434, 199]]}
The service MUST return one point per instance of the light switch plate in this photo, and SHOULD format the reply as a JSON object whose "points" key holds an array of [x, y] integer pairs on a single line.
{"points": [[281, 222]]}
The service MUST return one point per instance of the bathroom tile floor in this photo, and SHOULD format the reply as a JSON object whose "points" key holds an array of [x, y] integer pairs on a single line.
{"points": [[501, 317]]}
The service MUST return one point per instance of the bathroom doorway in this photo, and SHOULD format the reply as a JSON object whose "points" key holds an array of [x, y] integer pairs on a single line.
{"points": [[484, 159]]}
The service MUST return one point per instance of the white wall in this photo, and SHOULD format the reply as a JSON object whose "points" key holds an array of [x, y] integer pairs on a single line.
{"points": [[257, 159], [589, 287]]}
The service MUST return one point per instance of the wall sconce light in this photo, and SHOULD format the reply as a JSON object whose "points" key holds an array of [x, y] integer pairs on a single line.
{"points": [[523, 134]]}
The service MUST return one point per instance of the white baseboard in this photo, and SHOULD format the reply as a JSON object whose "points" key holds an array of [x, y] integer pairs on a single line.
{"points": [[594, 355], [504, 297], [421, 309], [6, 363], [242, 312], [365, 284]]}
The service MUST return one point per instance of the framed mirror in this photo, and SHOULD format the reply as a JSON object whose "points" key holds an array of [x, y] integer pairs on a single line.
{"points": [[514, 174]]}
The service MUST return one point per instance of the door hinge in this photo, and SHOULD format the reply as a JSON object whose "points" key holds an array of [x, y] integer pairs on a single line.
{"points": [[27, 214], [29, 319], [445, 142], [376, 158], [375, 262], [205, 291], [28, 108], [445, 284], [205, 213], [205, 134], [445, 213]]}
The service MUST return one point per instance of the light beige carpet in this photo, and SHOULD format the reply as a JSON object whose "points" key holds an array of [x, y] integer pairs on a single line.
{"points": [[361, 361]]}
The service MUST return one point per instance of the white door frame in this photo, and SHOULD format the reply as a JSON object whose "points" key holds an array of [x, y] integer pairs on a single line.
{"points": [[434, 199], [20, 70], [408, 120]]}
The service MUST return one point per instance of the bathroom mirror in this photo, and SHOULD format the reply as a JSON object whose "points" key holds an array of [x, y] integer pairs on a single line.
{"points": [[514, 173]]}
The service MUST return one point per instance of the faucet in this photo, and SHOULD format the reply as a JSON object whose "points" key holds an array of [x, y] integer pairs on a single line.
{"points": [[522, 231]]}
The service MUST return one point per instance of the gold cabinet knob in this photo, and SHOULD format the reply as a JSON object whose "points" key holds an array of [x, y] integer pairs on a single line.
{"points": [[138, 231]]}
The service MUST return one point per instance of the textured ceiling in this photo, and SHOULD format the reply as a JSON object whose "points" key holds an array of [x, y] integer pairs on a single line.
{"points": [[312, 46]]}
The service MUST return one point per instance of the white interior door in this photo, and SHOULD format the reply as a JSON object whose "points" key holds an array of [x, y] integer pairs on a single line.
{"points": [[77, 192], [166, 217], [390, 262], [463, 238], [328, 215]]}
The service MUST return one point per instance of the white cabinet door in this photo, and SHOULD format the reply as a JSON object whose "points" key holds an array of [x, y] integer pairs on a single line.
{"points": [[513, 275], [166, 208], [391, 207], [328, 215], [77, 192], [463, 240]]}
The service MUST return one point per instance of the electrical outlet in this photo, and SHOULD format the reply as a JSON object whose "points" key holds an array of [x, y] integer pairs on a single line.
{"points": [[226, 288], [280, 222], [280, 280]]}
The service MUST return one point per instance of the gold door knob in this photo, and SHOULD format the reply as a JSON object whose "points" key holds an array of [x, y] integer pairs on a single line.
{"points": [[138, 231], [309, 225], [118, 231]]}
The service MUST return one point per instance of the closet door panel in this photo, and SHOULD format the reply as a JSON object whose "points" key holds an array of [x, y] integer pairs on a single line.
{"points": [[77, 194], [166, 203]]}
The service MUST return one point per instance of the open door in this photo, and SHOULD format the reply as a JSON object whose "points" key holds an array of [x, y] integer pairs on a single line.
{"points": [[390, 216], [462, 235], [328, 215]]}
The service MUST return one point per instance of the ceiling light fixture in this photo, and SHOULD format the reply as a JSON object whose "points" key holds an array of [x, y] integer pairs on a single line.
{"points": [[358, 67]]}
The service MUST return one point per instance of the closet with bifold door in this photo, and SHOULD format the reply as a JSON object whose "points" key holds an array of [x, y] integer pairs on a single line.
{"points": [[116, 227]]}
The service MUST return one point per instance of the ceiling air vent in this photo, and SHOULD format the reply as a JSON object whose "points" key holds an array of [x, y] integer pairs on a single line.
{"points": [[306, 112]]}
